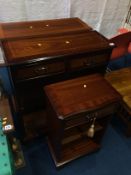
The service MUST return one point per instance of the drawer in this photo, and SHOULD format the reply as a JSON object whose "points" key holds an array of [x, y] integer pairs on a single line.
{"points": [[87, 117], [41, 69], [88, 61]]}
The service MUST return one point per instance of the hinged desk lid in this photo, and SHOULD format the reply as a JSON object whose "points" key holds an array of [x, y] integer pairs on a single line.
{"points": [[42, 27], [80, 94], [18, 50]]}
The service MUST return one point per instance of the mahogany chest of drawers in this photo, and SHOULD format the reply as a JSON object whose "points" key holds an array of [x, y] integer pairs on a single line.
{"points": [[64, 49], [73, 106]]}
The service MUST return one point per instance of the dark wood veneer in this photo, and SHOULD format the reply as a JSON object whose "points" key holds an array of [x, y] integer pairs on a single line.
{"points": [[72, 106], [18, 50], [65, 49], [37, 28]]}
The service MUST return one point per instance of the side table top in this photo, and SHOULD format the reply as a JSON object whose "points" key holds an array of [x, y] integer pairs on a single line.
{"points": [[81, 94]]}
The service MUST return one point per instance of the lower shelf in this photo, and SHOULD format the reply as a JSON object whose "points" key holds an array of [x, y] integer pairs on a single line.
{"points": [[74, 150]]}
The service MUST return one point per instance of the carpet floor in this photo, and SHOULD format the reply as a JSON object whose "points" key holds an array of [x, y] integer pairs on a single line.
{"points": [[114, 158]]}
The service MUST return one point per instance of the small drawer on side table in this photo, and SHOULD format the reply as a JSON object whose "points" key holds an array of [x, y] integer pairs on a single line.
{"points": [[87, 117]]}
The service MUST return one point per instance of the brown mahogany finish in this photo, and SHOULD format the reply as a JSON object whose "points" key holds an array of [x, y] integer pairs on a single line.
{"points": [[65, 49], [18, 50], [72, 106], [41, 27], [79, 94]]}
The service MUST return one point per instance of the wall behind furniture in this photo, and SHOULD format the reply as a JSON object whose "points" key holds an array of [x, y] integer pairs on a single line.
{"points": [[105, 16]]}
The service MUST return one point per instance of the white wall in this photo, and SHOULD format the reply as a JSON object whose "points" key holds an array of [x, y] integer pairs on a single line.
{"points": [[105, 16], [114, 14], [17, 10]]}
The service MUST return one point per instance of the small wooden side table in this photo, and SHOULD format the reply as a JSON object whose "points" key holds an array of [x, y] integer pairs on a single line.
{"points": [[78, 112], [121, 81]]}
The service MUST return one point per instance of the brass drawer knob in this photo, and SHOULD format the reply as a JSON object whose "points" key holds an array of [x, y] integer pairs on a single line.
{"points": [[67, 42], [39, 44], [86, 63], [41, 70], [31, 27]]}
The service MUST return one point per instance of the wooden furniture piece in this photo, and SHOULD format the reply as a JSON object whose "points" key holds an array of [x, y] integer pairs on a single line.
{"points": [[6, 115], [121, 81], [42, 27], [73, 106], [28, 29], [69, 49]]}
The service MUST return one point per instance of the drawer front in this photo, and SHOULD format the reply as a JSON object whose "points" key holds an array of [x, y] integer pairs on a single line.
{"points": [[85, 117], [35, 70], [88, 61]]}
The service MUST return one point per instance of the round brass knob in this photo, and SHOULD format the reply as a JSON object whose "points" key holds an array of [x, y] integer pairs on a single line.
{"points": [[67, 42], [39, 44], [31, 27]]}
